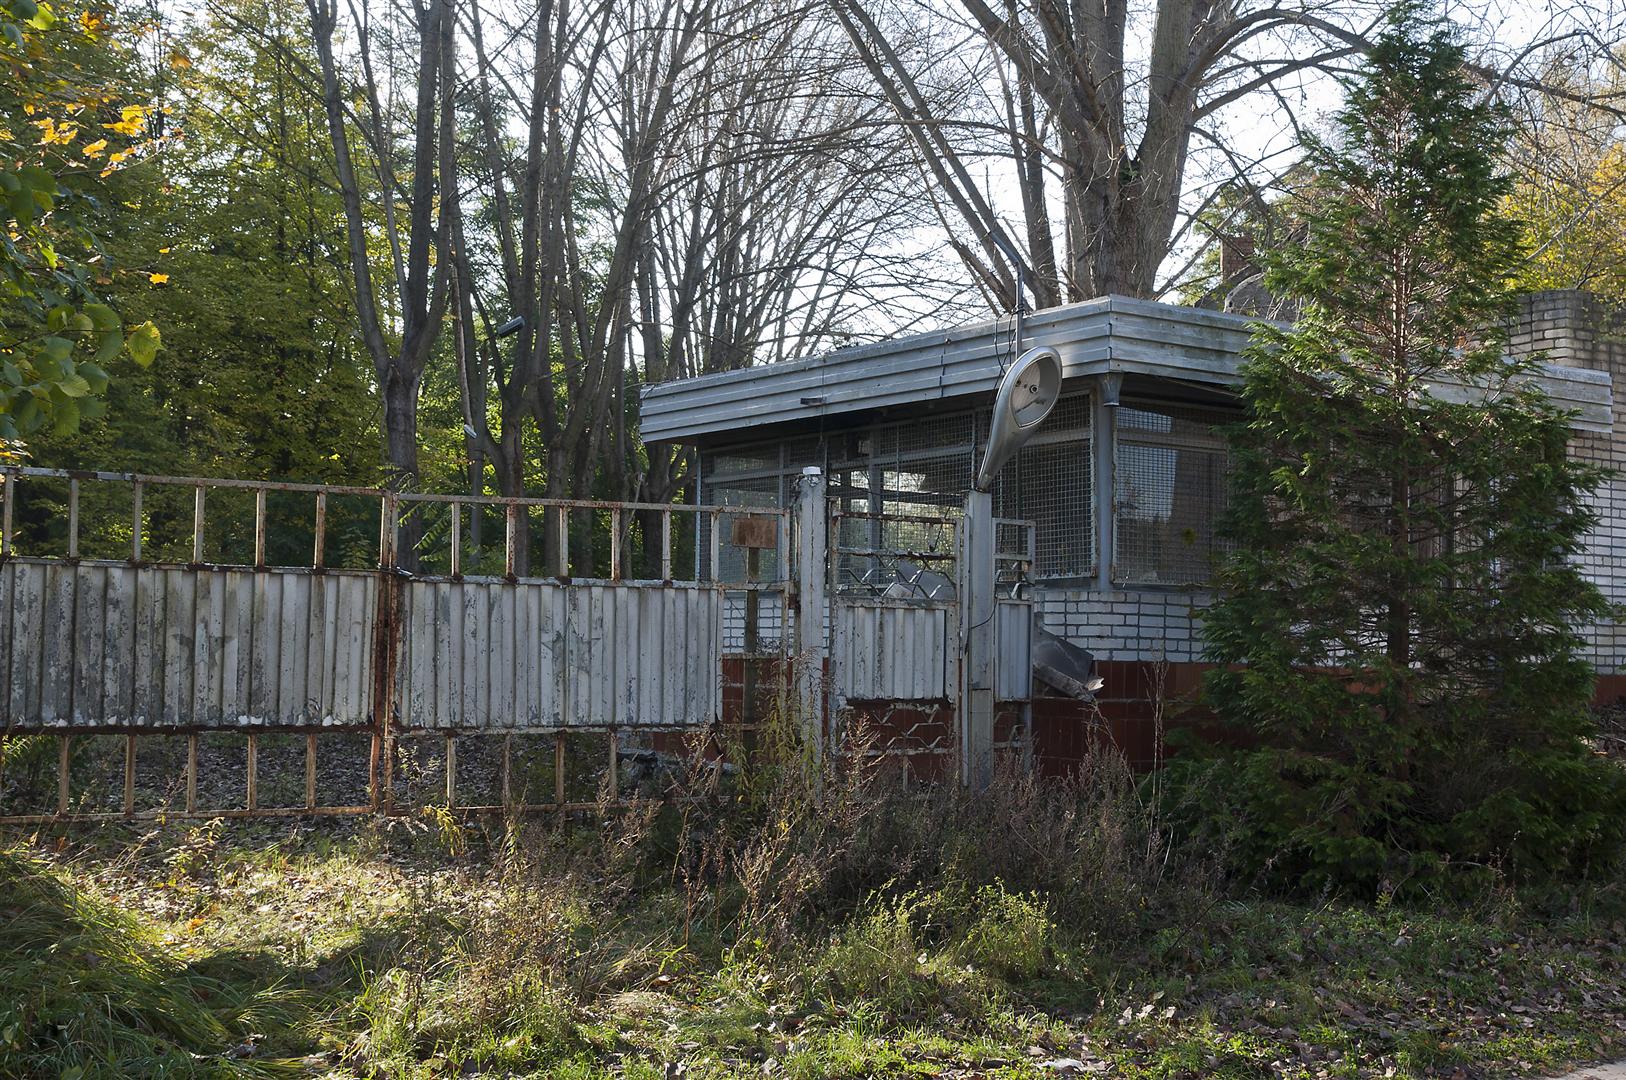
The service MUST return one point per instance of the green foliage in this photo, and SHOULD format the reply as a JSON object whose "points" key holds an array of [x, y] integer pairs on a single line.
{"points": [[1398, 645], [63, 131], [260, 376], [953, 947]]}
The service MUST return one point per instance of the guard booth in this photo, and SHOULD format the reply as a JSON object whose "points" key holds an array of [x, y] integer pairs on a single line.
{"points": [[1112, 507]]}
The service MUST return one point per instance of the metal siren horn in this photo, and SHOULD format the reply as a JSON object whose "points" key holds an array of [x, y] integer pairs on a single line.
{"points": [[1026, 395]]}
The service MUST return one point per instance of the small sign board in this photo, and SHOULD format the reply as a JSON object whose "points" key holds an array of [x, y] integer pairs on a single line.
{"points": [[754, 531]]}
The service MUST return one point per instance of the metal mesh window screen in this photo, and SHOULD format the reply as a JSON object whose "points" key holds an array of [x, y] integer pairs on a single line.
{"points": [[922, 468], [1170, 469], [915, 469], [1051, 483], [748, 476]]}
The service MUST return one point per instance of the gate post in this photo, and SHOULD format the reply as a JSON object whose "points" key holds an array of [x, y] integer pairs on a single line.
{"points": [[812, 570], [978, 605], [386, 648]]}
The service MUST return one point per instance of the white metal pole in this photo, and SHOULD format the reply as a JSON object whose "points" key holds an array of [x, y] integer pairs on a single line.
{"points": [[812, 567], [976, 573]]}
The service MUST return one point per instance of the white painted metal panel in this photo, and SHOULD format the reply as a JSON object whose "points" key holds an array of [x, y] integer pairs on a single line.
{"points": [[889, 651], [497, 655], [1013, 650], [102, 644], [1110, 333]]}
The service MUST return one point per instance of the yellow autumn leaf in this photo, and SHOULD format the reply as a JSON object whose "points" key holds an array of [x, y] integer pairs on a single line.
{"points": [[132, 118], [94, 149], [157, 279], [163, 251]]}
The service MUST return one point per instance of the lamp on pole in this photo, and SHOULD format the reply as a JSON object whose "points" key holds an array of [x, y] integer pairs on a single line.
{"points": [[1026, 395]]}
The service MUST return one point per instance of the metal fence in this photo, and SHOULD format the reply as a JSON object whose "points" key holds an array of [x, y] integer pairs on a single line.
{"points": [[156, 606], [114, 620]]}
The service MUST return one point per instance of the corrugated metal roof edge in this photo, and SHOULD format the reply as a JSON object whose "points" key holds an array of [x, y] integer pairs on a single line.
{"points": [[1140, 336]]}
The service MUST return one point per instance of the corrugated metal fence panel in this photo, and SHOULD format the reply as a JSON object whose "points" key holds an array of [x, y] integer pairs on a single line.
{"points": [[477, 654], [1013, 650], [892, 652], [499, 655], [106, 644]]}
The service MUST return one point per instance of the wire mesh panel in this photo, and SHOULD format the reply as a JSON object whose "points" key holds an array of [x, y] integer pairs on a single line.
{"points": [[1171, 478], [760, 475], [1050, 482], [922, 467], [897, 556]]}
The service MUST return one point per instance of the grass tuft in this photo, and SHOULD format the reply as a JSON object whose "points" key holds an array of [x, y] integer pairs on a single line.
{"points": [[90, 991]]}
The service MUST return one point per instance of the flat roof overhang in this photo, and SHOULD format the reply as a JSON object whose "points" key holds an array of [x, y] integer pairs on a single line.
{"points": [[1145, 338]]}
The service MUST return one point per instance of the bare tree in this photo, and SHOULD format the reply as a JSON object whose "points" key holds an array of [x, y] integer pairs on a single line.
{"points": [[399, 338], [1103, 106], [695, 189]]}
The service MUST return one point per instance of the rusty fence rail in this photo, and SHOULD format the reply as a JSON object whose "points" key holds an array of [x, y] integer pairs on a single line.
{"points": [[398, 508]]}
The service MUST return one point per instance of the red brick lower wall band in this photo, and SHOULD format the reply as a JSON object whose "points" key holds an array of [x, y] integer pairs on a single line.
{"points": [[1139, 704]]}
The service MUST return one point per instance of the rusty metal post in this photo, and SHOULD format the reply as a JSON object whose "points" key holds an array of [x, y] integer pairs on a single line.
{"points": [[63, 758], [614, 780], [198, 499], [318, 554], [192, 773], [8, 500], [73, 518], [451, 771], [129, 775], [135, 522], [562, 523], [615, 544], [386, 647], [749, 713], [559, 768], [715, 561], [373, 794], [978, 607], [507, 770], [510, 540], [253, 772], [259, 529], [666, 545], [310, 770], [457, 538], [812, 570]]}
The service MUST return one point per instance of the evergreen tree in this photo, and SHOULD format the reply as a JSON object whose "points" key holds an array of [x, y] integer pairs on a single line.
{"points": [[1398, 645]]}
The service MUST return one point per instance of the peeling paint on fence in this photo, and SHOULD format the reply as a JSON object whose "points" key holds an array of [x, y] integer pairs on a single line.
{"points": [[108, 645], [893, 650], [497, 655]]}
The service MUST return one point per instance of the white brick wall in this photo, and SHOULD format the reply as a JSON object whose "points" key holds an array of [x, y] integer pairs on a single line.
{"points": [[1574, 329], [1128, 624], [1571, 328]]}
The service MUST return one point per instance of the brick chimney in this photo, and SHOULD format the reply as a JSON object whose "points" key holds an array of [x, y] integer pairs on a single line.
{"points": [[1573, 328]]}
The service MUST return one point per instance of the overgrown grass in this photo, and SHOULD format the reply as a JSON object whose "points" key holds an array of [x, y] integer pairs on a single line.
{"points": [[794, 923], [92, 991]]}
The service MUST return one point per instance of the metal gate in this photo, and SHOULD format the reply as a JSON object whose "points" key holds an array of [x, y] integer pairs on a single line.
{"points": [[897, 620]]}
